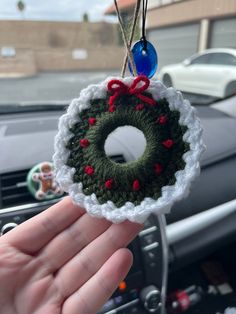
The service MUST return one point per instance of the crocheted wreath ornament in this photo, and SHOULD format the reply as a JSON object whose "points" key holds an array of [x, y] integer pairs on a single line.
{"points": [[134, 189]]}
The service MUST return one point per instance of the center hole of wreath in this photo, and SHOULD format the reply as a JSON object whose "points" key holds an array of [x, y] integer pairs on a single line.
{"points": [[127, 141]]}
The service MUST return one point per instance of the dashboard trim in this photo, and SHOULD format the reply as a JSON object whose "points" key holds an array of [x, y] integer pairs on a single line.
{"points": [[29, 206], [184, 228], [124, 306], [147, 231], [151, 246], [176, 231]]}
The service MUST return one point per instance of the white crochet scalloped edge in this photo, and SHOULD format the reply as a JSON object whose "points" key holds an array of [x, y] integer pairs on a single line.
{"points": [[170, 194]]}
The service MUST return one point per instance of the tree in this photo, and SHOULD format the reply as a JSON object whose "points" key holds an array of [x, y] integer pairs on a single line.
{"points": [[21, 7], [85, 17]]}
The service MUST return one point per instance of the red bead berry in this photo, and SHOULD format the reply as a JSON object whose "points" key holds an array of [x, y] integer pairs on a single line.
{"points": [[109, 184], [139, 107], [84, 142], [112, 108], [158, 168], [168, 143], [136, 185], [89, 170], [162, 119], [92, 121]]}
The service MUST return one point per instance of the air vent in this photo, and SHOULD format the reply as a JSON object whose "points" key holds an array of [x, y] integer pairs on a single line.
{"points": [[14, 189]]}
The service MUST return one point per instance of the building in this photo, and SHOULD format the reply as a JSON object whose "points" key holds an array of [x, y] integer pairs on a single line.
{"points": [[180, 28], [126, 8], [28, 47]]}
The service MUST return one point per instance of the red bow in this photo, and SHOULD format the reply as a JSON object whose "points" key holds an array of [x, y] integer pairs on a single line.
{"points": [[119, 88]]}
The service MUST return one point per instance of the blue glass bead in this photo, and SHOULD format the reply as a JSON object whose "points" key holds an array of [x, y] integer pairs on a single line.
{"points": [[145, 58]]}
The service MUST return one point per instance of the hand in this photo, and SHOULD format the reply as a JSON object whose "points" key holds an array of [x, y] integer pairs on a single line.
{"points": [[63, 261]]}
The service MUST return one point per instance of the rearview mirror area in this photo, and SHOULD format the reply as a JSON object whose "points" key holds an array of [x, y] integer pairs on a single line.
{"points": [[187, 62]]}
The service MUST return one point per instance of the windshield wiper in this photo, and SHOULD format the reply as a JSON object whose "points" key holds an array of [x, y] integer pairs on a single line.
{"points": [[200, 99], [32, 107]]}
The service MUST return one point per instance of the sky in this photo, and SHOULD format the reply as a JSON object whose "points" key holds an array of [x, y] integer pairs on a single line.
{"points": [[67, 10]]}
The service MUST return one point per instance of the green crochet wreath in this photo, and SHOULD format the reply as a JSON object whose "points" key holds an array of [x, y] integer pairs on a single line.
{"points": [[131, 181]]}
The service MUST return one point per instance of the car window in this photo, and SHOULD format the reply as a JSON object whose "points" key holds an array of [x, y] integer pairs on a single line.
{"points": [[222, 58], [204, 59], [51, 50]]}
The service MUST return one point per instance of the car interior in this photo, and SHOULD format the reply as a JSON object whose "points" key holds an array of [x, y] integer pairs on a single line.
{"points": [[195, 264], [200, 229]]}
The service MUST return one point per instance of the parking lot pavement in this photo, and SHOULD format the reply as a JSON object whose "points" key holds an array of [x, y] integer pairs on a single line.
{"points": [[59, 87]]}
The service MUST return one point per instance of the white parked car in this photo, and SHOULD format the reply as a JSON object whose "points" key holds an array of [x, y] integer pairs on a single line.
{"points": [[212, 72]]}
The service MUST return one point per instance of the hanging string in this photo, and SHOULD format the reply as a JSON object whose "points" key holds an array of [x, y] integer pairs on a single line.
{"points": [[127, 45], [133, 27], [144, 16]]}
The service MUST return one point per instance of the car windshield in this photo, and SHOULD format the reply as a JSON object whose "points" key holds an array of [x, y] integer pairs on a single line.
{"points": [[50, 50]]}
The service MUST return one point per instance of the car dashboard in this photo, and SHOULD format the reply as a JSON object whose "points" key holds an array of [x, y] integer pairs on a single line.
{"points": [[196, 226]]}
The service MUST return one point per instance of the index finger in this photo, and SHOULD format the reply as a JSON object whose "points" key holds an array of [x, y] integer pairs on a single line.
{"points": [[36, 232]]}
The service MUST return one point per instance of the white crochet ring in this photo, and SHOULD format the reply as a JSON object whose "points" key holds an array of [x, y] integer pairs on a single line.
{"points": [[169, 195]]}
